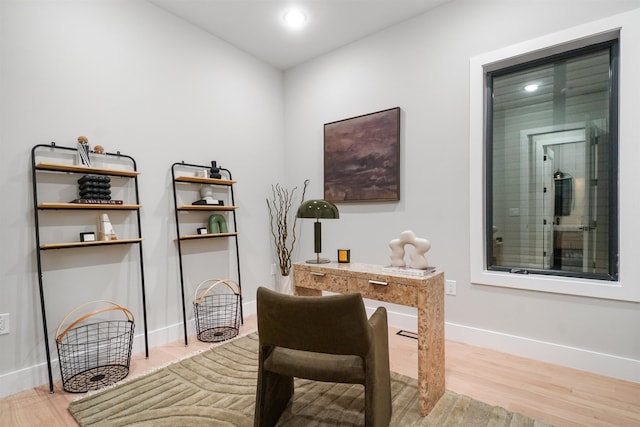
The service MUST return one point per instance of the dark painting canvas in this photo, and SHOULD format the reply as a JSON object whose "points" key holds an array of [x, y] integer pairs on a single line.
{"points": [[362, 158]]}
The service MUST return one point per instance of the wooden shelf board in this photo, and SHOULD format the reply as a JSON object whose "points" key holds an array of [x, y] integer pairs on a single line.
{"points": [[200, 180], [85, 169], [207, 236], [98, 206], [94, 243], [206, 208]]}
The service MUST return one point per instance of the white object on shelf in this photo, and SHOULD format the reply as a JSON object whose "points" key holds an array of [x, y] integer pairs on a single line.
{"points": [[105, 229]]}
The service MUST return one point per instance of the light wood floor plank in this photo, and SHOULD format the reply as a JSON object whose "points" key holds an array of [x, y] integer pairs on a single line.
{"points": [[561, 396]]}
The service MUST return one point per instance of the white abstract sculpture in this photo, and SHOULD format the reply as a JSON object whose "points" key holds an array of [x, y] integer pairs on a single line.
{"points": [[418, 259]]}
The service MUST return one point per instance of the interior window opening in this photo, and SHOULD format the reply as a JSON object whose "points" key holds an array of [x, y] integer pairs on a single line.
{"points": [[552, 165]]}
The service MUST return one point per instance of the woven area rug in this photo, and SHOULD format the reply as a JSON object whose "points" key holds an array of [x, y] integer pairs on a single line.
{"points": [[217, 388]]}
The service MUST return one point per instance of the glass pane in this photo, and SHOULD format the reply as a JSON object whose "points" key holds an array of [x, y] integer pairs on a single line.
{"points": [[551, 166]]}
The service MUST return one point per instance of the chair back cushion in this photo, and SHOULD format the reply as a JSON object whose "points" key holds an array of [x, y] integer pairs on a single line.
{"points": [[335, 324]]}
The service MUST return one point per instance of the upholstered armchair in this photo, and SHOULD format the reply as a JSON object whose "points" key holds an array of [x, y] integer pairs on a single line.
{"points": [[321, 338]]}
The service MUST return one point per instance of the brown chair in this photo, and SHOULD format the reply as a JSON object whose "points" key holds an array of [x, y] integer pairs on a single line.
{"points": [[321, 338]]}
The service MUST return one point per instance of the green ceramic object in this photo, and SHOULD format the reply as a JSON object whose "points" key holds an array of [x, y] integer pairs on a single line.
{"points": [[217, 224]]}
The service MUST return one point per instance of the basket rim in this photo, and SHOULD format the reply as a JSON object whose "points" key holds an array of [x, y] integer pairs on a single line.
{"points": [[114, 307], [64, 340], [227, 282]]}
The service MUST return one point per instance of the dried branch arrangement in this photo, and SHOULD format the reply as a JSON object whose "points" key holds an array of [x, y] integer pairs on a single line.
{"points": [[284, 238]]}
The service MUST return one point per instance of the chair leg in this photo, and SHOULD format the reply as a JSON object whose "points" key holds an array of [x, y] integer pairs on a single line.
{"points": [[274, 392]]}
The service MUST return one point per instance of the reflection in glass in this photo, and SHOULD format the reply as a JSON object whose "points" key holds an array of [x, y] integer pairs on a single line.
{"points": [[552, 165]]}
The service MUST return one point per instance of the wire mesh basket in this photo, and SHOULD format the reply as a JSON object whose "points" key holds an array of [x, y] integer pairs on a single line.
{"points": [[97, 354], [217, 310]]}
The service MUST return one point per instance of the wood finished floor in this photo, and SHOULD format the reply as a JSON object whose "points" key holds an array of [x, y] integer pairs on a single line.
{"points": [[557, 395]]}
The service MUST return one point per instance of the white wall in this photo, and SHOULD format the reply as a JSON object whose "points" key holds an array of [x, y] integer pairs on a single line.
{"points": [[134, 79], [422, 66]]}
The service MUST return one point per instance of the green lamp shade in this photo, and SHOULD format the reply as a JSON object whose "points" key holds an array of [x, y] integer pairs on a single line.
{"points": [[317, 209]]}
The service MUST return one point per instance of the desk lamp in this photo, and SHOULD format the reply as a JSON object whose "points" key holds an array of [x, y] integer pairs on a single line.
{"points": [[317, 209]]}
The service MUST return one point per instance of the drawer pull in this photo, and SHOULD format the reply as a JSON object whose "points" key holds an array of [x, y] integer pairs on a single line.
{"points": [[313, 273], [377, 282]]}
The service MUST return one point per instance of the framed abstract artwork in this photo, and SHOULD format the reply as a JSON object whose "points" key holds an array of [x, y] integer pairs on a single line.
{"points": [[362, 158]]}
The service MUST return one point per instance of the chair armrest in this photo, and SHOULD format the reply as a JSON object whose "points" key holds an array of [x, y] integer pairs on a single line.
{"points": [[378, 374], [380, 335], [378, 320]]}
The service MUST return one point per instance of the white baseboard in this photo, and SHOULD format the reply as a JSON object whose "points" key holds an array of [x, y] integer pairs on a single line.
{"points": [[585, 360], [26, 378], [37, 375]]}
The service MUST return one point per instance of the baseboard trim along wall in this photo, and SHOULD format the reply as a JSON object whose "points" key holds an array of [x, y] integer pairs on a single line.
{"points": [[598, 363], [37, 375], [577, 358]]}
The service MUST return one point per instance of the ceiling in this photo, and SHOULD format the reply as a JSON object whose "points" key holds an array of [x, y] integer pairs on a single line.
{"points": [[256, 26]]}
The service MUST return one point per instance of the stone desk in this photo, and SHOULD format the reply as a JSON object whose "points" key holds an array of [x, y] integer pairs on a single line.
{"points": [[426, 293]]}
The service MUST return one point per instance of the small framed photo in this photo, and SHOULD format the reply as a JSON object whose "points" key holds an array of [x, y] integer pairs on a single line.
{"points": [[203, 230], [89, 236]]}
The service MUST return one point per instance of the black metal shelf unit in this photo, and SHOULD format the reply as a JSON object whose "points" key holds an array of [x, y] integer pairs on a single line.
{"points": [[63, 164], [187, 174]]}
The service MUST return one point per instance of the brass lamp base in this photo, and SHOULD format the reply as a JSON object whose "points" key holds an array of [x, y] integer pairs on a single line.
{"points": [[318, 261]]}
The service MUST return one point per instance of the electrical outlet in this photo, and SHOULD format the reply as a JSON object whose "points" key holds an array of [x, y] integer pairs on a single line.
{"points": [[450, 287], [4, 323]]}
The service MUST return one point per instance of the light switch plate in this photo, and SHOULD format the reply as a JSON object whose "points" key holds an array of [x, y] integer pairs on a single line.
{"points": [[4, 323], [450, 287]]}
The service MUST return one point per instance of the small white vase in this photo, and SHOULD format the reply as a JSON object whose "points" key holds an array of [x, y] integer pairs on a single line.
{"points": [[285, 286]]}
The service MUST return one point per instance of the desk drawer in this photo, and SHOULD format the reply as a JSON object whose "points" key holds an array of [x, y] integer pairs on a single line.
{"points": [[321, 281], [387, 291]]}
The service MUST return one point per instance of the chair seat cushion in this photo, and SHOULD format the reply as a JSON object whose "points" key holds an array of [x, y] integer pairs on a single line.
{"points": [[316, 366]]}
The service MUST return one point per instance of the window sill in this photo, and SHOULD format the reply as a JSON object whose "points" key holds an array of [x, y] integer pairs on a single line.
{"points": [[553, 284]]}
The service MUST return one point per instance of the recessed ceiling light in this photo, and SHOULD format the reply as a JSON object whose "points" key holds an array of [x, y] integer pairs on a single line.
{"points": [[531, 87], [294, 18]]}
